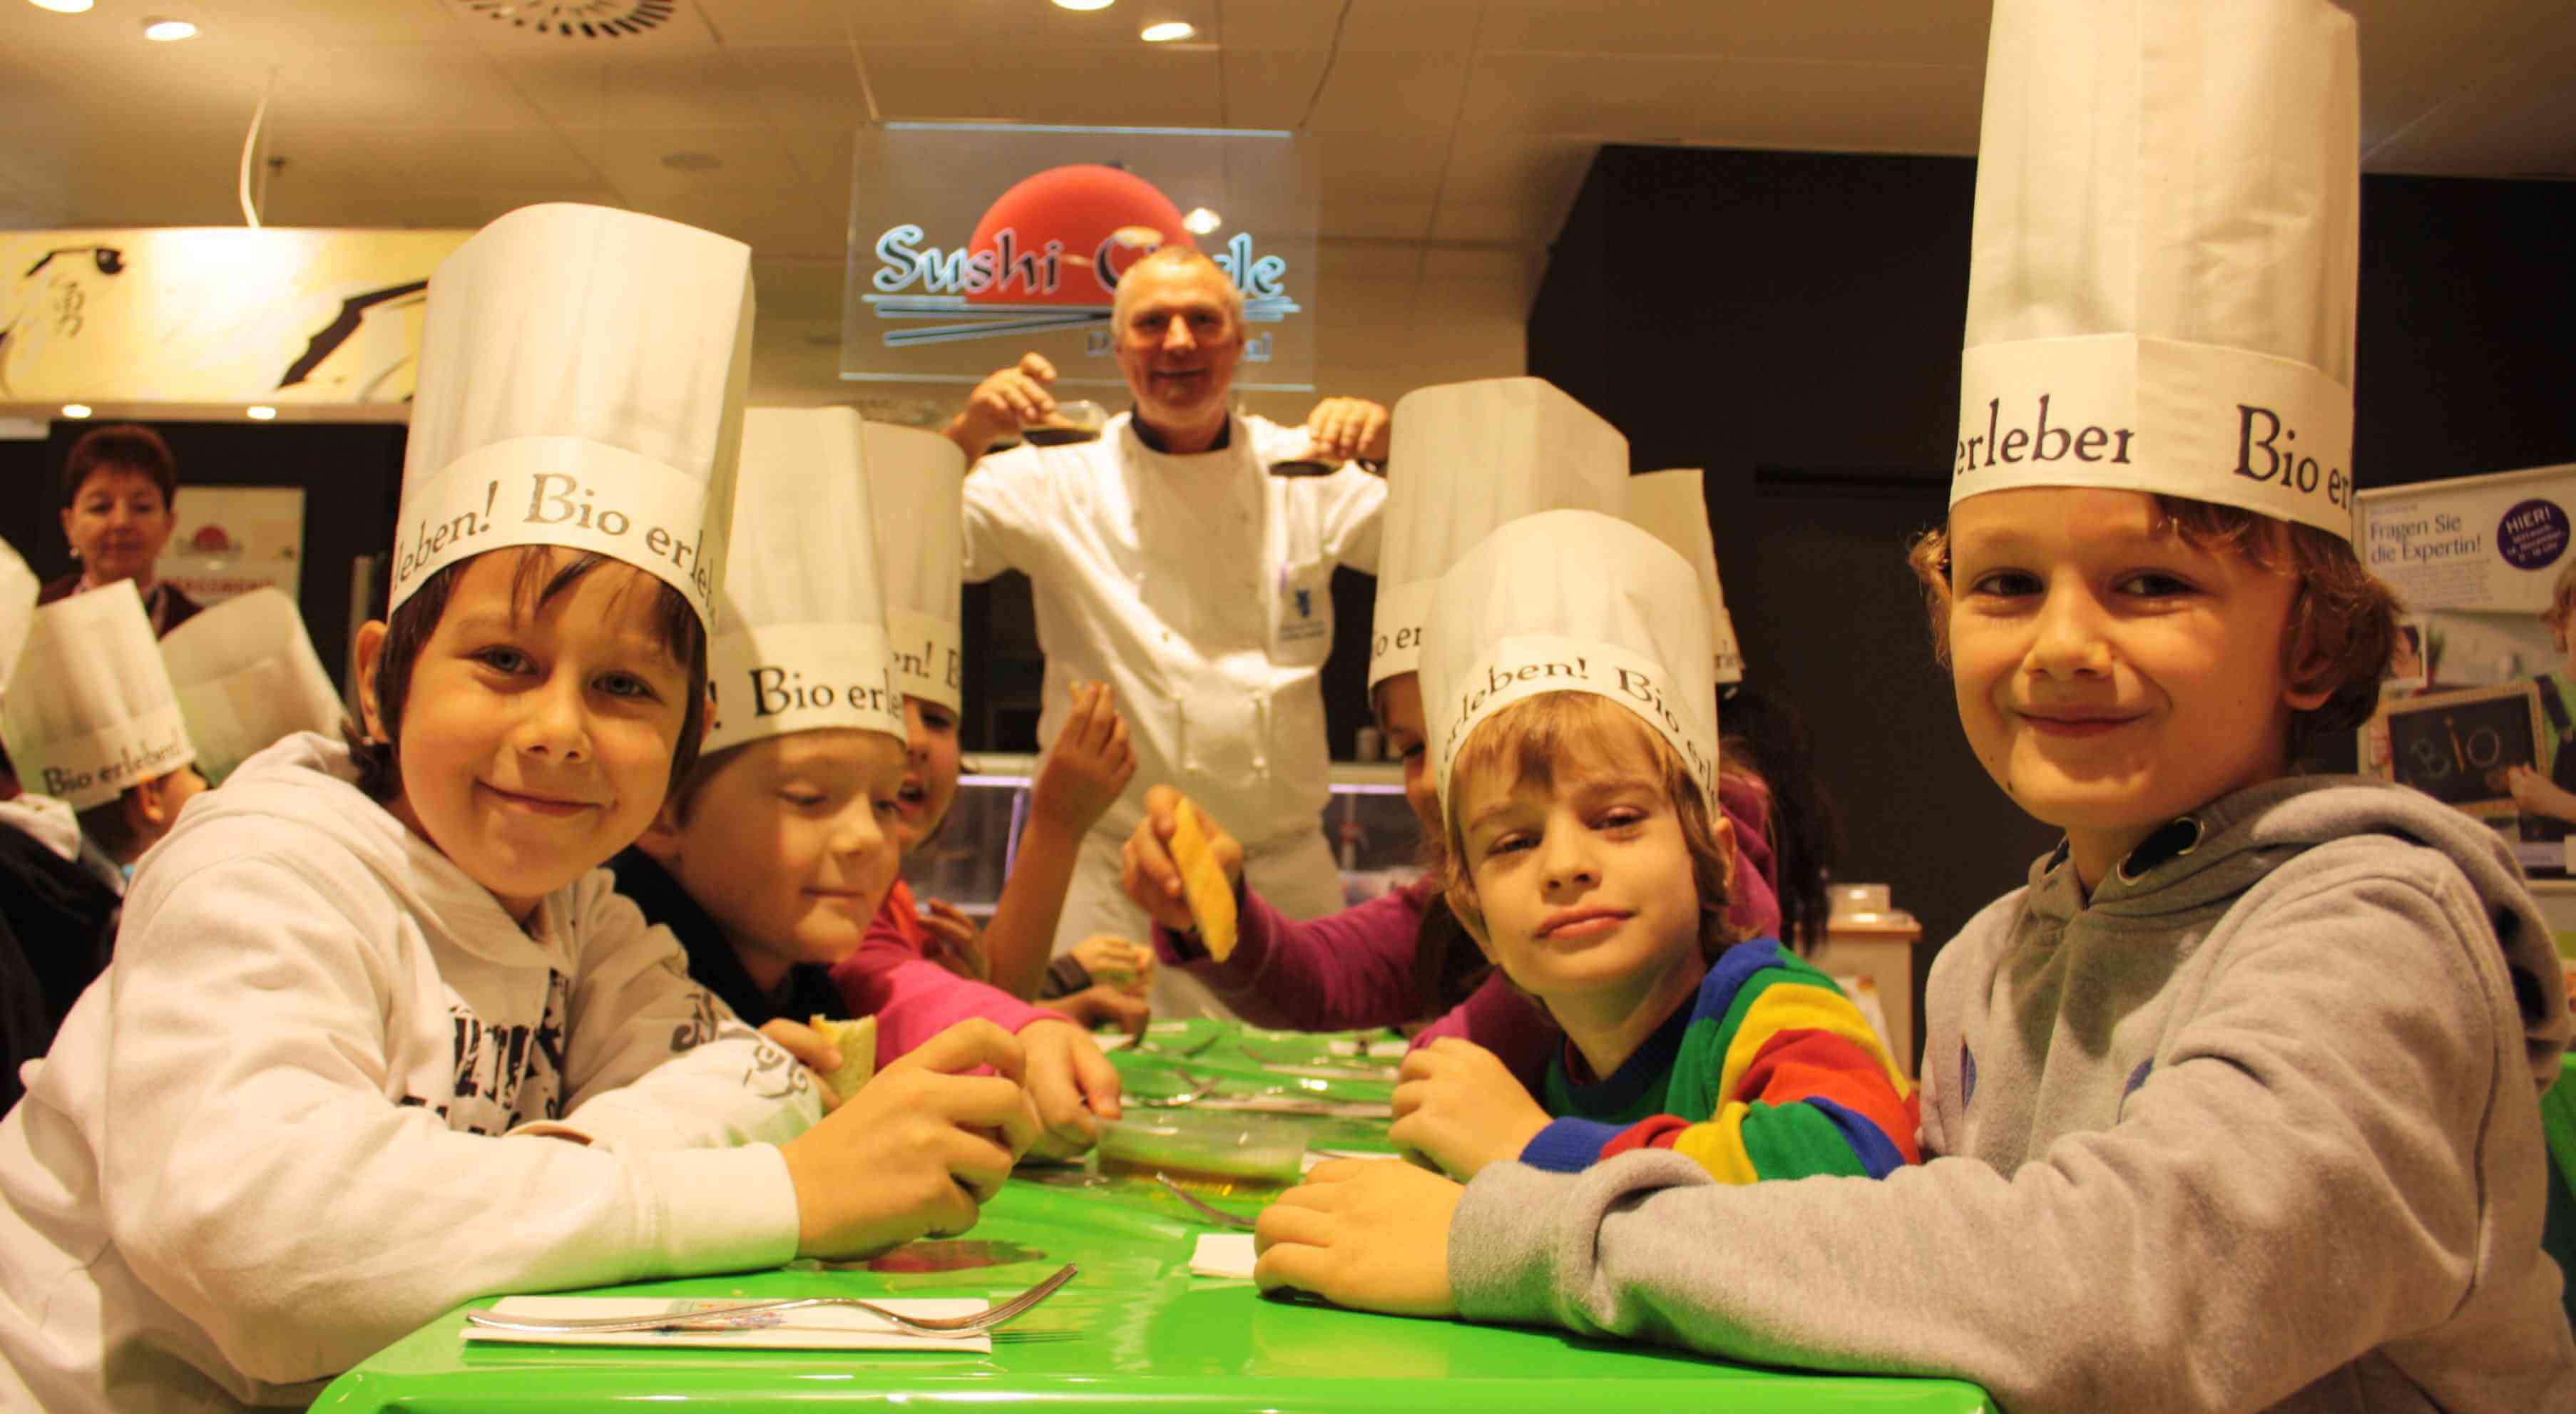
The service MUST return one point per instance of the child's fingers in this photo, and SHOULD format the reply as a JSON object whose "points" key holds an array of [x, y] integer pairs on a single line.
{"points": [[966, 1045], [978, 1164], [811, 1048], [1304, 1227], [1162, 806], [1092, 1071], [824, 1092]]}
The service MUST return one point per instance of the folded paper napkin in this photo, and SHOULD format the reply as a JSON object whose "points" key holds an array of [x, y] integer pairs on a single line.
{"points": [[1222, 1254], [805, 1328]]}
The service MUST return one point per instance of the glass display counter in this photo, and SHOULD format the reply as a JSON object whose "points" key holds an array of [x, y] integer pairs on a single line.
{"points": [[1373, 832]]}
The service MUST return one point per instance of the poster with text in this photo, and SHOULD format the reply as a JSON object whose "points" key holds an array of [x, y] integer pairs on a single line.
{"points": [[2479, 708], [234, 539]]}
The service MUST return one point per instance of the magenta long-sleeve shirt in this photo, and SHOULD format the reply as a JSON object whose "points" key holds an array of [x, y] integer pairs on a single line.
{"points": [[1355, 968], [913, 998]]}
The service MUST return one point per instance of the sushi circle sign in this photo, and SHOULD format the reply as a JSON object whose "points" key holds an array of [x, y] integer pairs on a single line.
{"points": [[946, 295]]}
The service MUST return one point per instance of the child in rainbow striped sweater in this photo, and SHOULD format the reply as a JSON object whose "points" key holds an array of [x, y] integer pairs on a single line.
{"points": [[1588, 867]]}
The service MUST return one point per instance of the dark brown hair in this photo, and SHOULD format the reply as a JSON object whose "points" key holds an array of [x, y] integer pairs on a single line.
{"points": [[2343, 620], [1533, 737], [536, 580], [123, 446]]}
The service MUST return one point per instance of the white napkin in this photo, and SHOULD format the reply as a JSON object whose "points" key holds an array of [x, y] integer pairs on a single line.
{"points": [[1222, 1254], [806, 1328]]}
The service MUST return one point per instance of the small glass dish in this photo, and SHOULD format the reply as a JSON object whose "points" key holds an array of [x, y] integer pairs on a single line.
{"points": [[1188, 1145]]}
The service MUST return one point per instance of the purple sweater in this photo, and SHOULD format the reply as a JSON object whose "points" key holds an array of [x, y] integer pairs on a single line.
{"points": [[1355, 968]]}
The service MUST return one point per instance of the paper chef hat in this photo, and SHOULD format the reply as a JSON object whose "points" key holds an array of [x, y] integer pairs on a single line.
{"points": [[800, 639], [2162, 283], [917, 485], [247, 677], [581, 383], [1468, 457], [1672, 506], [1571, 601], [18, 589], [90, 712]]}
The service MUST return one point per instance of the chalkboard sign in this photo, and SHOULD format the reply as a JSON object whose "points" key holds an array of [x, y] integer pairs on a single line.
{"points": [[2457, 746]]}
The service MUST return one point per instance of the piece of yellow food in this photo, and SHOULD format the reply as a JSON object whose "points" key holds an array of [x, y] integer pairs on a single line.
{"points": [[1203, 883], [858, 1043]]}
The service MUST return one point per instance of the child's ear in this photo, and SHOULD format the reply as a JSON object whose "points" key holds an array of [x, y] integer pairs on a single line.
{"points": [[661, 839], [371, 656]]}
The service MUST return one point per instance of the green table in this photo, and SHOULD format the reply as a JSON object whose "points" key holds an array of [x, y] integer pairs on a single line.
{"points": [[1135, 1328]]}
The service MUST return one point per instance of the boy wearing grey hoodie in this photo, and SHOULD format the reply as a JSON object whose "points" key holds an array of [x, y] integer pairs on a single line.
{"points": [[2234, 1105]]}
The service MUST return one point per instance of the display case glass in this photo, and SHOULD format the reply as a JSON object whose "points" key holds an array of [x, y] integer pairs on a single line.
{"points": [[1372, 830]]}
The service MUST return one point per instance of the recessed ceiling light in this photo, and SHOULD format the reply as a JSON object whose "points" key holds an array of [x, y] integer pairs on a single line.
{"points": [[62, 7], [76, 409], [1167, 31], [1084, 4], [260, 414], [167, 31], [1200, 221]]}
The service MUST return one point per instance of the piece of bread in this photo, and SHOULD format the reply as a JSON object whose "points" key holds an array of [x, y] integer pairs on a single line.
{"points": [[858, 1043], [1203, 884]]}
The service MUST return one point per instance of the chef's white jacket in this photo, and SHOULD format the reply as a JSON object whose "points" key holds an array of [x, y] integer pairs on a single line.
{"points": [[1200, 587]]}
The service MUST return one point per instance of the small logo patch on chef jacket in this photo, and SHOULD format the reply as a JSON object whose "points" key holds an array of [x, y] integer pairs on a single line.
{"points": [[1305, 603], [2137, 1078], [1967, 1076]]}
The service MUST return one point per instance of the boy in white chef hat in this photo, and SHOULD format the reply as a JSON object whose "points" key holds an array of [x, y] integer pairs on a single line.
{"points": [[916, 482], [771, 861], [92, 721], [380, 999], [1573, 741], [2233, 1106]]}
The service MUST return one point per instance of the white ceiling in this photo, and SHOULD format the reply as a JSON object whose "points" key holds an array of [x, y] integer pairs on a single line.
{"points": [[1454, 132]]}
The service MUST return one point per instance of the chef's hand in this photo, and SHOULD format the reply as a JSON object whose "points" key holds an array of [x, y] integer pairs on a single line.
{"points": [[1458, 1105], [1006, 401], [1087, 767], [1350, 429], [1145, 867]]}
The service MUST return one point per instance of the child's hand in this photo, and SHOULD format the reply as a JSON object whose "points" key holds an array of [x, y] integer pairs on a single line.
{"points": [[1459, 1105], [917, 1150], [955, 942], [1094, 1007], [1366, 1233], [813, 1050], [1070, 1082], [1127, 966], [1088, 766], [1145, 866]]}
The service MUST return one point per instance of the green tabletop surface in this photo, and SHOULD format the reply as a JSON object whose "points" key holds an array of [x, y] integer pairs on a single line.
{"points": [[1134, 1329]]}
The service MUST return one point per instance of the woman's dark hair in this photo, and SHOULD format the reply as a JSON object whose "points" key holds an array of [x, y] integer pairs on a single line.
{"points": [[535, 582], [1768, 734], [123, 446]]}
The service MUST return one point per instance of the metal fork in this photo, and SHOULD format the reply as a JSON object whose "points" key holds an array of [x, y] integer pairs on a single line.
{"points": [[723, 1317], [1200, 1089], [1209, 1211]]}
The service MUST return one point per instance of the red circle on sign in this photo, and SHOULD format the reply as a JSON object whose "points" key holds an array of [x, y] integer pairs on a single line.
{"points": [[1103, 219]]}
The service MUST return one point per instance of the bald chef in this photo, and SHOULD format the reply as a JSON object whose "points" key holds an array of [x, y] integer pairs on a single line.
{"points": [[1169, 562]]}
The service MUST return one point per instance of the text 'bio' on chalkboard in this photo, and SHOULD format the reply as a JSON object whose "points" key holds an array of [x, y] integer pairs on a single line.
{"points": [[2457, 746]]}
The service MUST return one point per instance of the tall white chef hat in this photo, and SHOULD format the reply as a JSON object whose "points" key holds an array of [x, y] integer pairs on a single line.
{"points": [[581, 383], [1468, 457], [247, 677], [91, 712], [1571, 601], [1673, 507], [18, 589], [2161, 288], [800, 639], [917, 486]]}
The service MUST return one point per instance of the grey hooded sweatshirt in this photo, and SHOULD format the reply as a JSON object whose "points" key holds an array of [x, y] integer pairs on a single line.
{"points": [[2255, 1126]]}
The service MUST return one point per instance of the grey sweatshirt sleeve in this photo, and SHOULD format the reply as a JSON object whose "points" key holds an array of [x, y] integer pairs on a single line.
{"points": [[2300, 1180]]}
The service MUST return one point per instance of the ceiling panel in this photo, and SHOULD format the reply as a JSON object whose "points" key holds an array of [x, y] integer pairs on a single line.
{"points": [[803, 87], [1542, 168], [1137, 85], [1826, 107], [1885, 31]]}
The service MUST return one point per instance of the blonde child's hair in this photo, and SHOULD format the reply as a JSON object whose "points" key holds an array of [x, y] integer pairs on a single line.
{"points": [[2343, 620], [1535, 737], [2562, 605]]}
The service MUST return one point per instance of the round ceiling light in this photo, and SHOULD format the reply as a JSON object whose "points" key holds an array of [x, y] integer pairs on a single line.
{"points": [[169, 31], [1167, 31], [76, 410], [1200, 221], [260, 413], [62, 7], [1084, 4]]}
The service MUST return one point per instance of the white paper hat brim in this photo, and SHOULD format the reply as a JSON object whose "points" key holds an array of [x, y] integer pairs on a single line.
{"points": [[96, 767], [1395, 636], [780, 679], [18, 591], [927, 659], [561, 491], [1523, 666]]}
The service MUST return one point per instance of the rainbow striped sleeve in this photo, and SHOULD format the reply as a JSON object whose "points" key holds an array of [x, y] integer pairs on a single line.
{"points": [[1784, 1077]]}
